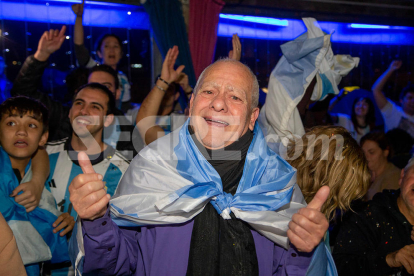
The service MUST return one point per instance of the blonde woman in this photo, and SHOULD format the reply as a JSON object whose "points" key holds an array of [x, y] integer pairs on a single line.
{"points": [[329, 156]]}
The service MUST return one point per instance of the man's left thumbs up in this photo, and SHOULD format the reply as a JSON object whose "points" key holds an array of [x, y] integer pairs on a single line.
{"points": [[309, 225]]}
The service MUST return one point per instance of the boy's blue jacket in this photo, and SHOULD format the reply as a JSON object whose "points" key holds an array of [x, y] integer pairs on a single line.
{"points": [[33, 231]]}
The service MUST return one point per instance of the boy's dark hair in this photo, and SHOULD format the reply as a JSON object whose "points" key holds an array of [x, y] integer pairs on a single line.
{"points": [[21, 105], [103, 88], [107, 69], [99, 42], [407, 89]]}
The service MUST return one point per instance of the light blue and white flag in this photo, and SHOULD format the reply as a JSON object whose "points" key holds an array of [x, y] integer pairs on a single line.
{"points": [[170, 182], [33, 231], [308, 56]]}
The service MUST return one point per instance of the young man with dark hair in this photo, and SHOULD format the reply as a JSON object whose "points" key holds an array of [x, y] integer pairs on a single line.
{"points": [[91, 111]]}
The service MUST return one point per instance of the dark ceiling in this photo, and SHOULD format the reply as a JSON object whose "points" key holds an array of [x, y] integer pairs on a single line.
{"points": [[388, 12]]}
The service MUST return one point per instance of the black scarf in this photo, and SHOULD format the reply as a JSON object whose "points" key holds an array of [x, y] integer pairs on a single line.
{"points": [[219, 246]]}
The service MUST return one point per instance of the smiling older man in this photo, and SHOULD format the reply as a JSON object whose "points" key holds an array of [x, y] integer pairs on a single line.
{"points": [[209, 199]]}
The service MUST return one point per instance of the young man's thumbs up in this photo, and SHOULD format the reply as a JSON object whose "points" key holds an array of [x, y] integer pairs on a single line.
{"points": [[87, 191]]}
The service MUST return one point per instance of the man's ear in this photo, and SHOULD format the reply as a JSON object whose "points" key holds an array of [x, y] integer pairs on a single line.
{"points": [[190, 107], [43, 139], [253, 117], [118, 94], [108, 120], [99, 54], [401, 177]]}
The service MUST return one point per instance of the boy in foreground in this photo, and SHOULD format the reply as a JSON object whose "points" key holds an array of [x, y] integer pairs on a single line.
{"points": [[23, 129]]}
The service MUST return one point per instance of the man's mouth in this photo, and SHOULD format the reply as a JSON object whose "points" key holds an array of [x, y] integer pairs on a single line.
{"points": [[216, 122], [82, 121], [20, 144]]}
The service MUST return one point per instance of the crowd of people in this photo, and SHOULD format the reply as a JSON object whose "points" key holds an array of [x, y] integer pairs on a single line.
{"points": [[224, 187]]}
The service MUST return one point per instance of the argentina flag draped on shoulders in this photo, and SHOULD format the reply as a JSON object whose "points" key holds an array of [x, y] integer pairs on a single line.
{"points": [[170, 182]]}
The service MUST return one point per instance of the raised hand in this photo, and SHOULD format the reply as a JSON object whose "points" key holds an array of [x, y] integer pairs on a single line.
{"points": [[78, 8], [64, 220], [236, 52], [395, 65], [87, 191], [403, 257], [308, 226], [167, 72], [50, 42]]}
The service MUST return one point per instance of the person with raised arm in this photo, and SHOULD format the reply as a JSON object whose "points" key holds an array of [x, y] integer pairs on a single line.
{"points": [[121, 134], [109, 51], [395, 116]]}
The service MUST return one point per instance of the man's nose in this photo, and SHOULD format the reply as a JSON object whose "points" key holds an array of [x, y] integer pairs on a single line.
{"points": [[219, 103], [84, 110]]}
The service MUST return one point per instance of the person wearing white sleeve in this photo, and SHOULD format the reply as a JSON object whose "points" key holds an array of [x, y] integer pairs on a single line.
{"points": [[395, 116], [109, 51]]}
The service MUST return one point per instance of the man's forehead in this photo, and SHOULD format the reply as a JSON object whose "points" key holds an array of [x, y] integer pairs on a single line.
{"points": [[93, 94], [102, 75], [226, 85]]}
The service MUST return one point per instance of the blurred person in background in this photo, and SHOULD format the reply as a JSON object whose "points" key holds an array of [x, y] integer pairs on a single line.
{"points": [[384, 174]]}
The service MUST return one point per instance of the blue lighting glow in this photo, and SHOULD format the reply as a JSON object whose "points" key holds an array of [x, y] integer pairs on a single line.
{"points": [[256, 19], [100, 14], [97, 3], [341, 32]]}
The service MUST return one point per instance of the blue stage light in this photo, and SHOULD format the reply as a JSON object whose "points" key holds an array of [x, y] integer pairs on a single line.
{"points": [[367, 26], [341, 32], [256, 19]]}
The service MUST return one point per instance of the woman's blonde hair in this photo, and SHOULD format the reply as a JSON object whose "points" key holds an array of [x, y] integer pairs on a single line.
{"points": [[329, 156]]}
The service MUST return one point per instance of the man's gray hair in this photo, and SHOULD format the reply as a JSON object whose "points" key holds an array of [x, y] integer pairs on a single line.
{"points": [[255, 83], [410, 164]]}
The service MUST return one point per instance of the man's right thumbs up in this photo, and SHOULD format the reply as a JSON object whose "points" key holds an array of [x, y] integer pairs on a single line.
{"points": [[87, 193]]}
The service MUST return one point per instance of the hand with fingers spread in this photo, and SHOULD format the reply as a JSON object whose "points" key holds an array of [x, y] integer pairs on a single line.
{"points": [[50, 42], [309, 225], [66, 221], [235, 53], [167, 72], [30, 196], [87, 191], [403, 257], [78, 9]]}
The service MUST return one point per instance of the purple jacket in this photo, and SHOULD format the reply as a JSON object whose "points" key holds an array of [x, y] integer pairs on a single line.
{"points": [[164, 250]]}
